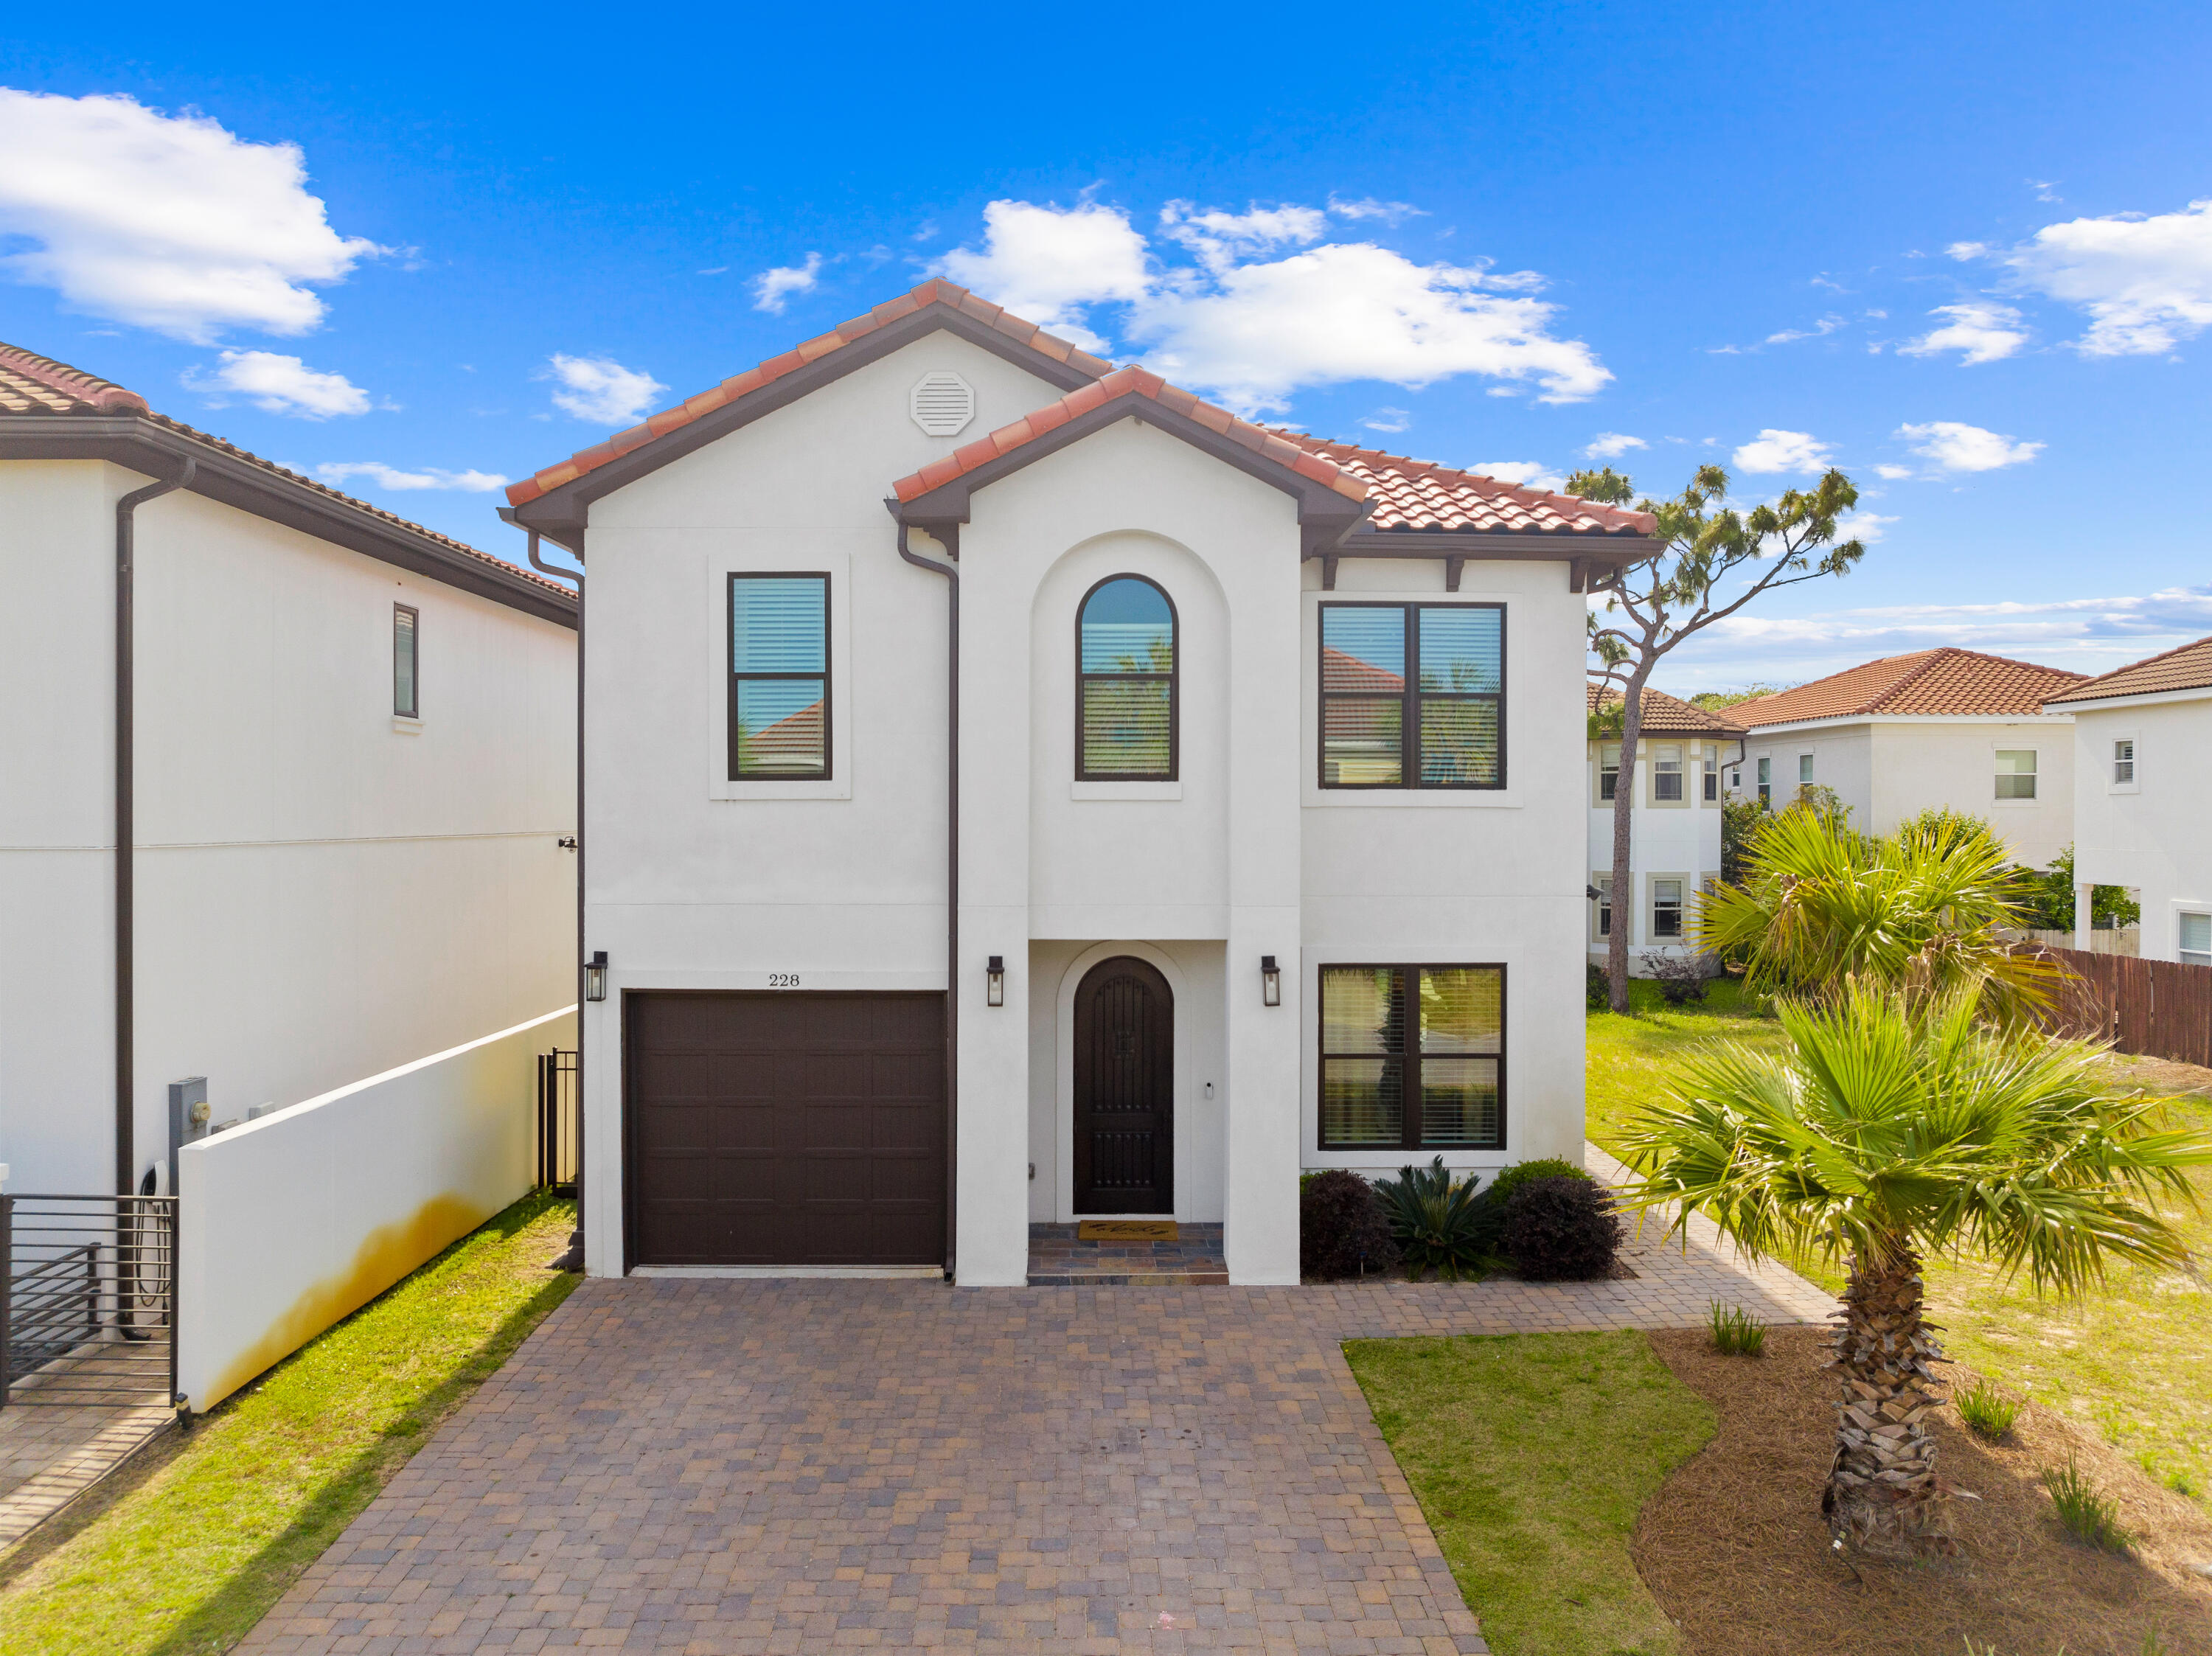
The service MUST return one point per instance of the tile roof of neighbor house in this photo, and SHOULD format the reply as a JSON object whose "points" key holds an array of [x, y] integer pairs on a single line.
{"points": [[1407, 495], [34, 385], [2187, 668], [1666, 715], [1949, 682]]}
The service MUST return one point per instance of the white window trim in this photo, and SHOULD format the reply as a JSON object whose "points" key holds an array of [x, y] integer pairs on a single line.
{"points": [[1598, 801], [2187, 906], [1601, 878], [2110, 786], [2015, 746], [719, 569]]}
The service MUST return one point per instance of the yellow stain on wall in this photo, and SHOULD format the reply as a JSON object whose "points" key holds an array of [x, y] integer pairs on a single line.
{"points": [[385, 1254]]}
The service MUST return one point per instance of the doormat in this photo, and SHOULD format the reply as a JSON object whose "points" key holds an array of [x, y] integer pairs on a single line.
{"points": [[1127, 1230]]}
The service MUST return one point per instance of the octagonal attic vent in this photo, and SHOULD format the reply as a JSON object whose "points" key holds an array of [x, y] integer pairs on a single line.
{"points": [[942, 403]]}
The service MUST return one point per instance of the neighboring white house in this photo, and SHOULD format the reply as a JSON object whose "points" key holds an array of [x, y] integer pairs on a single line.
{"points": [[1229, 833], [346, 785], [1674, 822], [1905, 734], [2142, 796]]}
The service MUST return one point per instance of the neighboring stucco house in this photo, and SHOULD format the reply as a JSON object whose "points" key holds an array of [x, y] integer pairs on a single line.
{"points": [[1148, 807], [2142, 796], [1909, 733], [1674, 822], [344, 789]]}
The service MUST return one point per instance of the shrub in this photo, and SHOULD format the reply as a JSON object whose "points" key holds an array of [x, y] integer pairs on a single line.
{"points": [[1562, 1229], [1682, 978], [1598, 990], [2090, 1517], [1490, 1206], [1736, 1332], [1986, 1410], [1433, 1220], [1343, 1230]]}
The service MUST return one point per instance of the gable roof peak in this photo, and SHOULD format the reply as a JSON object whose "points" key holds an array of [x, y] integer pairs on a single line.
{"points": [[1945, 682]]}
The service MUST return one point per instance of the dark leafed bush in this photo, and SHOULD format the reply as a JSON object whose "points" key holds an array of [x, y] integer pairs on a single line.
{"points": [[1562, 1229], [1682, 978], [1343, 1230], [1598, 990], [1490, 1206]]}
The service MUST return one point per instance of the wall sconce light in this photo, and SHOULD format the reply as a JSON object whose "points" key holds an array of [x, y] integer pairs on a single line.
{"points": [[595, 976], [1271, 982], [995, 982]]}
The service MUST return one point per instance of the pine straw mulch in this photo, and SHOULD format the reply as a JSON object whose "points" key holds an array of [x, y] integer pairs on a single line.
{"points": [[1734, 1547]]}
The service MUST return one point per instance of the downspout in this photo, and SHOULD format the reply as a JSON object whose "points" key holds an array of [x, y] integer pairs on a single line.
{"points": [[951, 573], [126, 509], [573, 1259]]}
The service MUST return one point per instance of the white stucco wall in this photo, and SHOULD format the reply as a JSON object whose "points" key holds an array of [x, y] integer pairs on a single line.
{"points": [[1666, 840], [323, 893], [2154, 835]]}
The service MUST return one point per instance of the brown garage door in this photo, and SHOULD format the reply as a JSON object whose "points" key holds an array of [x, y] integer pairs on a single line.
{"points": [[801, 1128]]}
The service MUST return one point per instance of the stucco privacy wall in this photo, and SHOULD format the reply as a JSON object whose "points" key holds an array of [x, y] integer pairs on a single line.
{"points": [[323, 891], [2153, 835], [289, 1223], [841, 883]]}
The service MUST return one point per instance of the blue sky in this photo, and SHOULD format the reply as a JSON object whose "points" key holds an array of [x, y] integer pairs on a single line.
{"points": [[1950, 249]]}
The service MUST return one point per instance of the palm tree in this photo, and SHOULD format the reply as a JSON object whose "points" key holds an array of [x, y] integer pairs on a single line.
{"points": [[1922, 912], [1889, 1130]]}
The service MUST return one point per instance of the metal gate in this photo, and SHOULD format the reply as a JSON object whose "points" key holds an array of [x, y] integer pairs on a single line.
{"points": [[560, 1151], [88, 1300]]}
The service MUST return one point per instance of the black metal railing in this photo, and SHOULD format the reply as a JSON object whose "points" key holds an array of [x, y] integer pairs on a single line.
{"points": [[88, 1300], [559, 1149]]}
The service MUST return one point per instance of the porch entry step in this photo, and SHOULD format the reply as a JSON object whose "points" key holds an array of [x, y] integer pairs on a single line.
{"points": [[1126, 1252]]}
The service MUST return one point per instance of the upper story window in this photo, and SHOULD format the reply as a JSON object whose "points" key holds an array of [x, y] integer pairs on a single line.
{"points": [[1712, 774], [1766, 781], [1441, 725], [1125, 679], [1804, 770], [1413, 1058], [2016, 773], [406, 664], [1667, 772], [1608, 769], [2124, 761], [780, 676]]}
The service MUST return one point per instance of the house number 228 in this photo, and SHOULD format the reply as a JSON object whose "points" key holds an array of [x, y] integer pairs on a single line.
{"points": [[783, 980]]}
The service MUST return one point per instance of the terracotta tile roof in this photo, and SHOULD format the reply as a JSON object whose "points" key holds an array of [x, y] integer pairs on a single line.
{"points": [[34, 385], [1124, 382], [1420, 494], [1341, 671], [2188, 668], [1666, 715], [1928, 684], [935, 292]]}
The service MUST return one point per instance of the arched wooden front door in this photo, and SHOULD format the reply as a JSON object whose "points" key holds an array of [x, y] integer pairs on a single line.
{"points": [[1124, 1089]]}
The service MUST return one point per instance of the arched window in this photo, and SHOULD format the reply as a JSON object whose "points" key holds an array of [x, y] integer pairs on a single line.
{"points": [[1125, 683]]}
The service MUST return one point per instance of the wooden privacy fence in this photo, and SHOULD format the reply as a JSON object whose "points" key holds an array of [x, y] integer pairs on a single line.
{"points": [[2155, 1008]]}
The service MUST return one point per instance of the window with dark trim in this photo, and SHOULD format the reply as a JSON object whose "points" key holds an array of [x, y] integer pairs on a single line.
{"points": [[1441, 725], [406, 662], [1413, 1058], [1126, 681], [779, 677]]}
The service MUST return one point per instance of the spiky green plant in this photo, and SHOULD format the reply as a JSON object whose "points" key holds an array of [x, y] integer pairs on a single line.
{"points": [[1433, 1220], [1886, 1130]]}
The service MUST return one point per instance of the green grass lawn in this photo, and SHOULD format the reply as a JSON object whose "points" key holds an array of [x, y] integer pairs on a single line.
{"points": [[185, 1554], [1531, 1455], [2133, 1360]]}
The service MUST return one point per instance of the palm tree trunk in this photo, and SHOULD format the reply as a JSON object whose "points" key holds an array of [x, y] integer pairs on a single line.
{"points": [[1882, 1494]]}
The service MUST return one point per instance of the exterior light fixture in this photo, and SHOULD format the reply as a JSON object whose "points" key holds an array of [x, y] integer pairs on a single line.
{"points": [[1271, 982], [595, 976], [994, 981]]}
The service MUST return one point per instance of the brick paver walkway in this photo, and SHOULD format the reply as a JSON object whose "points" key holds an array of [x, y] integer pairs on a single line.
{"points": [[725, 1466]]}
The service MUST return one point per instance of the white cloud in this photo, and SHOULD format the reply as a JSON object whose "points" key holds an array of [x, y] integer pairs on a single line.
{"points": [[1781, 451], [600, 389], [279, 385], [168, 222], [773, 288], [1983, 331], [1611, 446], [1252, 328], [1388, 419], [1957, 447], [2145, 281], [1392, 213], [1892, 473], [1861, 524], [1826, 325], [1525, 474], [384, 477], [2045, 189]]}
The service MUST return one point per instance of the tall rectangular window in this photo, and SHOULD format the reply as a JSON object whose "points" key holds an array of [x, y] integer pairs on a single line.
{"points": [[406, 666], [1412, 695], [1712, 774], [1766, 781], [2124, 761], [1667, 772], [1608, 769], [2197, 939], [2016, 773], [1603, 883], [1413, 1058], [779, 676], [1804, 770], [1666, 908]]}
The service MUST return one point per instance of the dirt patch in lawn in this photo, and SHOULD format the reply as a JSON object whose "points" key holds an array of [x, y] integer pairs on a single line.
{"points": [[1733, 1547]]}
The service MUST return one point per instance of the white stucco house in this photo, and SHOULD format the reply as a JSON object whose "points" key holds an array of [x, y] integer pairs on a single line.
{"points": [[1937, 728], [1019, 791], [341, 783], [1675, 821], [2142, 796]]}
